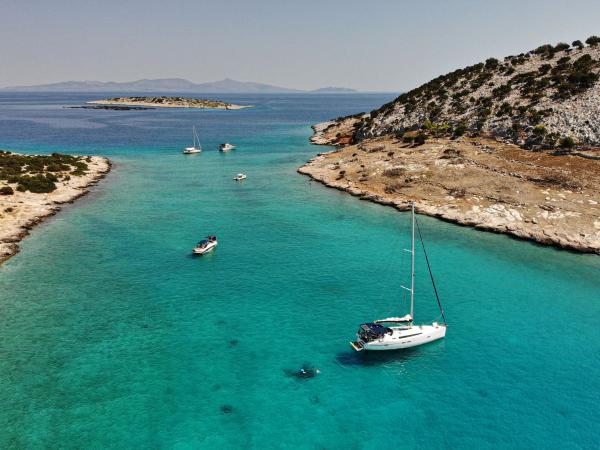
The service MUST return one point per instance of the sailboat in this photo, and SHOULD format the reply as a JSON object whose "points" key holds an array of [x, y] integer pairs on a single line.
{"points": [[396, 333], [195, 148]]}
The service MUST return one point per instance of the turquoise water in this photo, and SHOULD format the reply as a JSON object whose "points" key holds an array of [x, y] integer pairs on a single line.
{"points": [[112, 336]]}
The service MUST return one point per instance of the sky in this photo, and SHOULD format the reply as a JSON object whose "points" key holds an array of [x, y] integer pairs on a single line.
{"points": [[369, 45]]}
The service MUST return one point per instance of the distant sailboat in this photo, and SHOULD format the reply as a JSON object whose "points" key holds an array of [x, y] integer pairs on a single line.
{"points": [[196, 147], [404, 334]]}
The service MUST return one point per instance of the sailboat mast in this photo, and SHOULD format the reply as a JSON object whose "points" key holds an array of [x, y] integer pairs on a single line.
{"points": [[412, 265]]}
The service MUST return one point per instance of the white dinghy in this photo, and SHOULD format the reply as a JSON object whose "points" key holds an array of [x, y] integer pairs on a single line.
{"points": [[225, 147], [395, 333], [205, 246]]}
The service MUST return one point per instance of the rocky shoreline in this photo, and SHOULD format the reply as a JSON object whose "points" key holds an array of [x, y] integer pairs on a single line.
{"points": [[20, 212], [478, 182]]}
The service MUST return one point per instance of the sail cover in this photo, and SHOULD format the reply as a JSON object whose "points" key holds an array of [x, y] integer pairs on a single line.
{"points": [[406, 318]]}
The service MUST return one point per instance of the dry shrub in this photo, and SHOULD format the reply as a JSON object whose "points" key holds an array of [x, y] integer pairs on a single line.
{"points": [[394, 172], [392, 188]]}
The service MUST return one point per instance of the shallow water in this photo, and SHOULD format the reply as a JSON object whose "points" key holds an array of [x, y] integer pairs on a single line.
{"points": [[112, 335]]}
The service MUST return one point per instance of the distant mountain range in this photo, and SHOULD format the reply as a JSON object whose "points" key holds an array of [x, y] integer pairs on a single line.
{"points": [[226, 86]]}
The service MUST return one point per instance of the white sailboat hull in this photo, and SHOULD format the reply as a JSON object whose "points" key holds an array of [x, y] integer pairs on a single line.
{"points": [[406, 337]]}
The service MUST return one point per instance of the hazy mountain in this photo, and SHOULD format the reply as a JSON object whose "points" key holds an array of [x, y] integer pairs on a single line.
{"points": [[226, 86], [333, 90]]}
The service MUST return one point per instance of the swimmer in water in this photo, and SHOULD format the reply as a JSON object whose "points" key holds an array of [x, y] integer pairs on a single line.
{"points": [[307, 372], [304, 372]]}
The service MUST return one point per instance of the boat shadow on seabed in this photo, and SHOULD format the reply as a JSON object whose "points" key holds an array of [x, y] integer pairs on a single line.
{"points": [[373, 358]]}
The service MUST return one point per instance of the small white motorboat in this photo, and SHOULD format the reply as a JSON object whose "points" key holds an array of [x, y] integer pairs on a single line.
{"points": [[226, 147], [205, 246], [196, 147], [240, 177]]}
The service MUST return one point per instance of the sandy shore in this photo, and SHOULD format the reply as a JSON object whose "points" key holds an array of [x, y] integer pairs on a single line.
{"points": [[20, 212], [493, 186], [226, 106]]}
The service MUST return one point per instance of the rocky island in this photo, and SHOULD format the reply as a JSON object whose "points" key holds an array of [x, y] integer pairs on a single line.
{"points": [[168, 102], [508, 146], [32, 187]]}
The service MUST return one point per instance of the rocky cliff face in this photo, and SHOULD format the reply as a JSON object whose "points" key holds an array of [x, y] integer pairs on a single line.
{"points": [[449, 146], [546, 98]]}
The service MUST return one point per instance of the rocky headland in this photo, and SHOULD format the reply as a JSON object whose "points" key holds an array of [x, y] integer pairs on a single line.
{"points": [[168, 102], [33, 188], [508, 146]]}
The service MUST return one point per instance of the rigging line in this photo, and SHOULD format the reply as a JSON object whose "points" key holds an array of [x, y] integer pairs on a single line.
{"points": [[430, 273]]}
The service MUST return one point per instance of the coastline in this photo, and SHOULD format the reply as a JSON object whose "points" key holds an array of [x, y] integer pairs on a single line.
{"points": [[22, 211], [224, 106], [480, 183]]}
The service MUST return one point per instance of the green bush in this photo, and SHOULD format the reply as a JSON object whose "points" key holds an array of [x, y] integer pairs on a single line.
{"points": [[567, 142], [544, 69], [491, 63], [593, 41], [543, 49], [505, 109], [459, 130], [420, 139], [45, 169], [501, 91], [561, 46], [38, 184], [6, 190], [577, 44]]}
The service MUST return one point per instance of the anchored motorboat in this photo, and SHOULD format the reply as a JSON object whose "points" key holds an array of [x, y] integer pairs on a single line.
{"points": [[205, 245], [240, 177], [196, 147], [225, 147], [400, 332]]}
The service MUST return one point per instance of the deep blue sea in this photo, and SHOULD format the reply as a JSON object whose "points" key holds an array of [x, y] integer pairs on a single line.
{"points": [[113, 336]]}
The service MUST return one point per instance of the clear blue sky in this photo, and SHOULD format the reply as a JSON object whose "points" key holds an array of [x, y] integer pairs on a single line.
{"points": [[367, 44]]}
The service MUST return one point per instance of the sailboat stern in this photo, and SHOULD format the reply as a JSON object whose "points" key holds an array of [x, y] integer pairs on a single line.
{"points": [[358, 346]]}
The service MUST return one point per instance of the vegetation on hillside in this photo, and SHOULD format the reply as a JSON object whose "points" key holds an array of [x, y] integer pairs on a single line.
{"points": [[512, 97], [172, 101], [38, 173]]}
